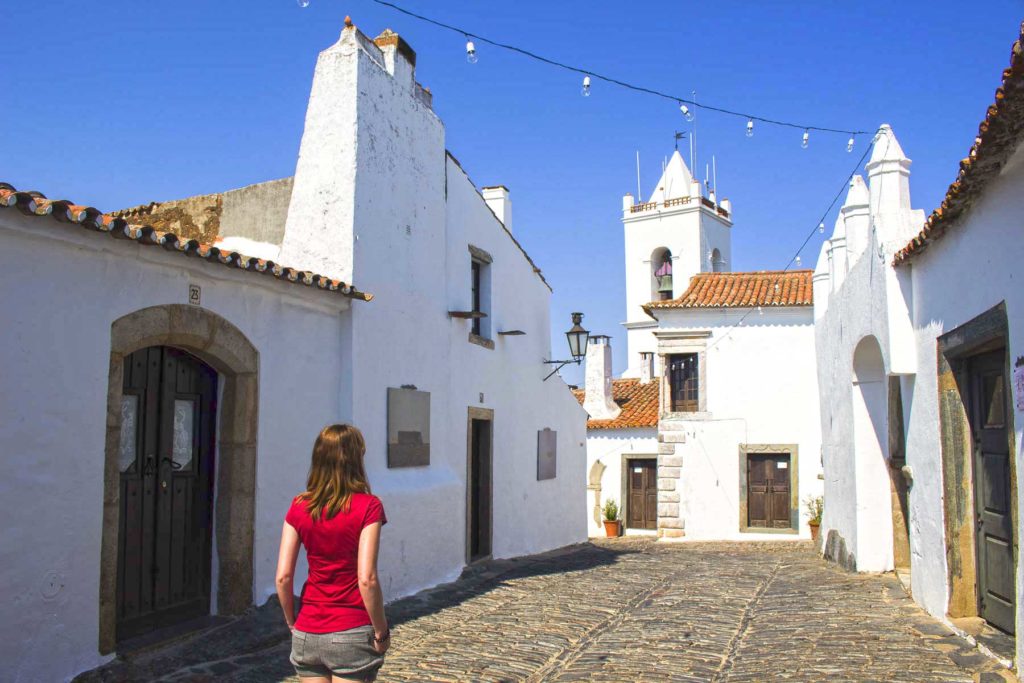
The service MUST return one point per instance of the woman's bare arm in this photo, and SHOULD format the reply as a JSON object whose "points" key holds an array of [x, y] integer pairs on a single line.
{"points": [[286, 558], [369, 586]]}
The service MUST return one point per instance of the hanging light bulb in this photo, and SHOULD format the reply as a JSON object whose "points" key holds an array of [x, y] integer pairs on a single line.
{"points": [[849, 144], [798, 261], [586, 87], [750, 128], [687, 114], [470, 52], [821, 228], [303, 3], [806, 138]]}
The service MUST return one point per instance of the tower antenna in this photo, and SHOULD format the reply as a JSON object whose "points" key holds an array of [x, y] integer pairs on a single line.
{"points": [[693, 136], [714, 176], [639, 199]]}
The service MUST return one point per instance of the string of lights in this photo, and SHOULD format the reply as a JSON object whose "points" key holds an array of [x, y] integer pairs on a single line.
{"points": [[686, 105], [795, 259]]}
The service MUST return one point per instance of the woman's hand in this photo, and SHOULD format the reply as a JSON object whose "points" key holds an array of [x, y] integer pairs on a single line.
{"points": [[381, 641]]}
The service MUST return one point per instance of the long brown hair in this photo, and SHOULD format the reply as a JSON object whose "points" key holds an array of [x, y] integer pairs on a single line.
{"points": [[336, 471]]}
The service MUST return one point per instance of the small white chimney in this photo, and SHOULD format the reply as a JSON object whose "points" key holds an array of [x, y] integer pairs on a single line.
{"points": [[627, 202], [497, 198], [598, 395], [646, 366]]}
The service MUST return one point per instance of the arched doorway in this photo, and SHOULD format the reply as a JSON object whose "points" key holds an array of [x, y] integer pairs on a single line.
{"points": [[207, 344], [166, 468], [878, 511]]}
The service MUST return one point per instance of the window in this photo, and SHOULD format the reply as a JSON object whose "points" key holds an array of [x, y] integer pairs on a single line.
{"points": [[683, 383], [477, 267], [480, 292], [661, 272]]}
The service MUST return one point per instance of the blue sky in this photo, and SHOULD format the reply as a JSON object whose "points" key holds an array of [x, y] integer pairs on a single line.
{"points": [[120, 103]]}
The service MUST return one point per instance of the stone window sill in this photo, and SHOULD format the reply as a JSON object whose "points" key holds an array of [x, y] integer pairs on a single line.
{"points": [[481, 341], [699, 415], [763, 530]]}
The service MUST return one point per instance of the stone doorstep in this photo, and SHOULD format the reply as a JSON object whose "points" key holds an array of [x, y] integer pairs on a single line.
{"points": [[966, 641]]}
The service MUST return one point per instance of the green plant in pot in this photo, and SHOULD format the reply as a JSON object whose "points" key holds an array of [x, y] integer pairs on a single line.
{"points": [[814, 505], [612, 526]]}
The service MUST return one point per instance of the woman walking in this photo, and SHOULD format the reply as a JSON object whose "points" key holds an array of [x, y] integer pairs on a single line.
{"points": [[340, 633]]}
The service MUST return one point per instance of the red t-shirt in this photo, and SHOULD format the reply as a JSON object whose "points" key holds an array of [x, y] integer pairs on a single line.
{"points": [[330, 599]]}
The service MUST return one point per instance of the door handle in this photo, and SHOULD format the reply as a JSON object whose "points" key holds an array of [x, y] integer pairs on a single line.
{"points": [[174, 465], [150, 466]]}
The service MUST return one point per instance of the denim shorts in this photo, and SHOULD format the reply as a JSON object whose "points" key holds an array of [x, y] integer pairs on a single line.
{"points": [[349, 654]]}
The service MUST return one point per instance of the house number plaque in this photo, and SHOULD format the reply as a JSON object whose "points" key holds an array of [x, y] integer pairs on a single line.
{"points": [[194, 294]]}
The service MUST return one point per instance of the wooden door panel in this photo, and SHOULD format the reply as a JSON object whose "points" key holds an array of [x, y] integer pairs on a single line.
{"points": [[167, 492], [642, 494], [988, 416], [768, 491], [651, 490]]}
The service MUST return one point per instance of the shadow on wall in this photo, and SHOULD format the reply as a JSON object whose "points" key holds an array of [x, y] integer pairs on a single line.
{"points": [[835, 551]]}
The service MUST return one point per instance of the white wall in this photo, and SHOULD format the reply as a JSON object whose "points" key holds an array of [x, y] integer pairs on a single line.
{"points": [[974, 267], [66, 286], [413, 214], [609, 446], [376, 199], [967, 272], [761, 389]]}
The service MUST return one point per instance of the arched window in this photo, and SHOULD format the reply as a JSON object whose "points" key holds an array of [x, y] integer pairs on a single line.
{"points": [[717, 262], [661, 274]]}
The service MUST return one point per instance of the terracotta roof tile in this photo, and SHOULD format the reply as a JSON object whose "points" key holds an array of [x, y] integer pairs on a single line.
{"points": [[759, 288], [59, 210], [999, 134], [639, 403]]}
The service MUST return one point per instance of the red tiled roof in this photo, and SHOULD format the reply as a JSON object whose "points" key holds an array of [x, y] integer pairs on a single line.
{"points": [[999, 134], [63, 211], [759, 288], [639, 403]]}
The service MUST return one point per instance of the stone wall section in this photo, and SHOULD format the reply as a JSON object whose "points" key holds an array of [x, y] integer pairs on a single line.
{"points": [[670, 524]]}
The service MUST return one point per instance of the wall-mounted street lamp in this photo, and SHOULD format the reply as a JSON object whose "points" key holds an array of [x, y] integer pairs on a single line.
{"points": [[578, 339]]}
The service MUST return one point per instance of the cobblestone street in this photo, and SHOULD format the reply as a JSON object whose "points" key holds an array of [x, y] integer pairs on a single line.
{"points": [[626, 610]]}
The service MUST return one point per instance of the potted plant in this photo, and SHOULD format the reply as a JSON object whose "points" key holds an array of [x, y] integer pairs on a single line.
{"points": [[814, 505], [611, 518]]}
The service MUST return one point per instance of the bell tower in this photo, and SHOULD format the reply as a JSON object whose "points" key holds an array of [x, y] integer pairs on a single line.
{"points": [[676, 234]]}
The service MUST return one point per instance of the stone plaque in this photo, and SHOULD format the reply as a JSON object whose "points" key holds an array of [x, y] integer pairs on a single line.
{"points": [[547, 445], [408, 428]]}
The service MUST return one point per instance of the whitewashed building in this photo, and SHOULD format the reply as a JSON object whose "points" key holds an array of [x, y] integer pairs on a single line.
{"points": [[710, 433], [162, 393], [919, 332]]}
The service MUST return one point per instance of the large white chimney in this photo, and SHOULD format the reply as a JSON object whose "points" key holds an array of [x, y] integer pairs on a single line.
{"points": [[598, 395], [497, 198]]}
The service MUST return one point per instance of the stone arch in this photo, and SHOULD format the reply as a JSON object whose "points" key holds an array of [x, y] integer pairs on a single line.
{"points": [[874, 544], [225, 348], [594, 486], [717, 262], [661, 261]]}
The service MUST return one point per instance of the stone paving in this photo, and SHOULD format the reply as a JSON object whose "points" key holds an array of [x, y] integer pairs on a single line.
{"points": [[624, 610]]}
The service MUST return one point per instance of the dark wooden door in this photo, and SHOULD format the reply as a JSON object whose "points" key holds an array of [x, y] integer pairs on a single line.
{"points": [[166, 479], [480, 490], [642, 494], [683, 382], [768, 494], [988, 417]]}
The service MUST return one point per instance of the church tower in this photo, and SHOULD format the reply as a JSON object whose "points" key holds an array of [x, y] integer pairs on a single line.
{"points": [[676, 234]]}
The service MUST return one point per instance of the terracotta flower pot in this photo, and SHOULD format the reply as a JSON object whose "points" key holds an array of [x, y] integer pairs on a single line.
{"points": [[814, 529], [611, 528]]}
